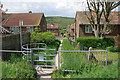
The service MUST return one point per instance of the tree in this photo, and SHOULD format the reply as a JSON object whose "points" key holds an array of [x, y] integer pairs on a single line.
{"points": [[97, 9], [95, 12], [108, 7], [2, 11]]}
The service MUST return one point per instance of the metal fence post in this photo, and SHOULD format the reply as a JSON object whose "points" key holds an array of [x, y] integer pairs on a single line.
{"points": [[32, 58], [106, 56]]}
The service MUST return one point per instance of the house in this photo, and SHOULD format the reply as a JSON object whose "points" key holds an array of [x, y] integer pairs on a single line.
{"points": [[83, 28], [72, 30], [53, 27], [30, 22]]}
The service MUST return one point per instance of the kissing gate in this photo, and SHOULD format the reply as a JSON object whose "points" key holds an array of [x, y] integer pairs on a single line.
{"points": [[40, 57]]}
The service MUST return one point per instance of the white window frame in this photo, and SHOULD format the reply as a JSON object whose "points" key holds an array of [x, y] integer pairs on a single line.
{"points": [[89, 28]]}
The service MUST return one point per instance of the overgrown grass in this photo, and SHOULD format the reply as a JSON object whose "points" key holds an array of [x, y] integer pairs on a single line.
{"points": [[16, 67], [85, 70], [67, 46], [97, 71]]}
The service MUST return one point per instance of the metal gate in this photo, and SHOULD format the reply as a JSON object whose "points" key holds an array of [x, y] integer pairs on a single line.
{"points": [[40, 57], [73, 60]]}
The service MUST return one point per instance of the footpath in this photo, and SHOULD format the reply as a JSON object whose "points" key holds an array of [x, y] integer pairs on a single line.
{"points": [[45, 73]]}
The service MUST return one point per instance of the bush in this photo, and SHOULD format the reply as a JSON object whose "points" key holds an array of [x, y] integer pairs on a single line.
{"points": [[96, 42], [113, 49], [43, 37]]}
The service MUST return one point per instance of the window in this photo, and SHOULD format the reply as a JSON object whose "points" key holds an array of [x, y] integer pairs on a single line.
{"points": [[88, 29], [14, 29], [29, 28]]}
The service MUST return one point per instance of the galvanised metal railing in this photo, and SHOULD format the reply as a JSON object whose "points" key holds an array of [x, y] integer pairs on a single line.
{"points": [[40, 56], [72, 60]]}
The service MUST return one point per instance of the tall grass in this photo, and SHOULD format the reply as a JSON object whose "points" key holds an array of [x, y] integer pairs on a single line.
{"points": [[16, 67], [83, 69]]}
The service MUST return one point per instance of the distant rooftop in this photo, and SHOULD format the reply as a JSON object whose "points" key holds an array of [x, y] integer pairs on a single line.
{"points": [[52, 26]]}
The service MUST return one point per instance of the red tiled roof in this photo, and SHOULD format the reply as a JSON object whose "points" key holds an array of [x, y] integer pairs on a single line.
{"points": [[52, 26], [72, 26], [82, 18], [28, 19], [5, 17]]}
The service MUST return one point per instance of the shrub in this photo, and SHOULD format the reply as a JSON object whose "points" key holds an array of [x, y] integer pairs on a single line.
{"points": [[96, 42], [113, 49], [43, 37]]}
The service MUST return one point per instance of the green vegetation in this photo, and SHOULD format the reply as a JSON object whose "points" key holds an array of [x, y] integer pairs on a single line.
{"points": [[66, 45], [16, 67], [62, 21], [113, 49], [52, 43], [97, 71], [86, 70], [46, 37], [97, 43]]}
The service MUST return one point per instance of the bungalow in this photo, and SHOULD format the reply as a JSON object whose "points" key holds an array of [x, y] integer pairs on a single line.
{"points": [[83, 28], [72, 30], [53, 27], [30, 22]]}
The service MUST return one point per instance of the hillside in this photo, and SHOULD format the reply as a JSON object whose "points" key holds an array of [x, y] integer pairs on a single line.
{"points": [[62, 21]]}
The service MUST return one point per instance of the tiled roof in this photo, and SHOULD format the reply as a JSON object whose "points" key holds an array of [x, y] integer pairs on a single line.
{"points": [[28, 19], [82, 18], [52, 26], [72, 26], [5, 17]]}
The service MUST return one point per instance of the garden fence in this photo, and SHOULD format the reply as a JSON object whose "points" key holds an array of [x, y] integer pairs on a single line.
{"points": [[72, 60]]}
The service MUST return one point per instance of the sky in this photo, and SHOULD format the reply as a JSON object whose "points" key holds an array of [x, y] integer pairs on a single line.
{"points": [[65, 8]]}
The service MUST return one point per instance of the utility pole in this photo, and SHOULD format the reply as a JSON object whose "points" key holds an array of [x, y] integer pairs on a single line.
{"points": [[21, 24]]}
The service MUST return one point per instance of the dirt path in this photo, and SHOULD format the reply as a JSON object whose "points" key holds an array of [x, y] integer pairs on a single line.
{"points": [[46, 74]]}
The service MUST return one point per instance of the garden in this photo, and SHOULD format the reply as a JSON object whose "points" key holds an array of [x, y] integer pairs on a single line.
{"points": [[83, 69]]}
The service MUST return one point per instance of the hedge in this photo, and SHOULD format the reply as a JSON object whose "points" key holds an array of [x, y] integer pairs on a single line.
{"points": [[96, 42], [43, 37], [113, 49]]}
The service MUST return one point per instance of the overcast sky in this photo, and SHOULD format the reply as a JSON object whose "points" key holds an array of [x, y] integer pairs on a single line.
{"points": [[65, 8]]}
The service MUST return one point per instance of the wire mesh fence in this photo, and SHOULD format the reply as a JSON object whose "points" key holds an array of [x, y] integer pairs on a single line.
{"points": [[73, 60]]}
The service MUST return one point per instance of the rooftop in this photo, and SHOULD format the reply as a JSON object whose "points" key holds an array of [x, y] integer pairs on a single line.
{"points": [[82, 18], [52, 26], [28, 19]]}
